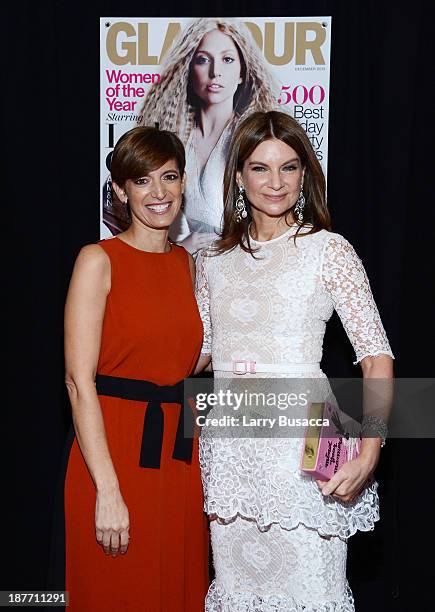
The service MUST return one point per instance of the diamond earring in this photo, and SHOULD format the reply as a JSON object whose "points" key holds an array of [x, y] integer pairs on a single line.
{"points": [[240, 206], [300, 205]]}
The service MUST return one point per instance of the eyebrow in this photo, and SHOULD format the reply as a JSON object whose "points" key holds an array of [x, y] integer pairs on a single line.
{"points": [[207, 53], [290, 161], [163, 173]]}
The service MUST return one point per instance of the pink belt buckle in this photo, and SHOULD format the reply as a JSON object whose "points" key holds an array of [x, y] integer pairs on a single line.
{"points": [[248, 366]]}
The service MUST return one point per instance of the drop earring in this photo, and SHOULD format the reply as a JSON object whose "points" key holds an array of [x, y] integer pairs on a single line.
{"points": [[240, 211], [126, 209], [300, 205]]}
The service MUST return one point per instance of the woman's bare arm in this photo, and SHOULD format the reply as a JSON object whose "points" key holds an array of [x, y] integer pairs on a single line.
{"points": [[204, 361], [204, 364], [84, 314], [349, 480], [378, 399]]}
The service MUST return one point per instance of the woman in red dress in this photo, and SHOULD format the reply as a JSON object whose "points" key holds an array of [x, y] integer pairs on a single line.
{"points": [[136, 535]]}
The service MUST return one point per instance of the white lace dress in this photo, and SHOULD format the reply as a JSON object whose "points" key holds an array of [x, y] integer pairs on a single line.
{"points": [[278, 544]]}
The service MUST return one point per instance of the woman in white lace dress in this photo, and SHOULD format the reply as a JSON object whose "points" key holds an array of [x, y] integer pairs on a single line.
{"points": [[279, 537]]}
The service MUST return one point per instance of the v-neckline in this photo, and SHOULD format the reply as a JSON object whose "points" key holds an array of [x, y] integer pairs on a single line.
{"points": [[200, 174]]}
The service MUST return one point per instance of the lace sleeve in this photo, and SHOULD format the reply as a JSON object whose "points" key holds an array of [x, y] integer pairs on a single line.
{"points": [[345, 279], [203, 300]]}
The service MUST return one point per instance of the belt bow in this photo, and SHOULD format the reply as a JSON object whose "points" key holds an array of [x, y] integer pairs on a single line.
{"points": [[152, 434]]}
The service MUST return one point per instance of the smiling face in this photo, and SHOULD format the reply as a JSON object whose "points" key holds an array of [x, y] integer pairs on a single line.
{"points": [[154, 198], [215, 68], [272, 177]]}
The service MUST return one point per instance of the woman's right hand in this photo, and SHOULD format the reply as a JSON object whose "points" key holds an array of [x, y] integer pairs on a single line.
{"points": [[112, 523], [196, 241]]}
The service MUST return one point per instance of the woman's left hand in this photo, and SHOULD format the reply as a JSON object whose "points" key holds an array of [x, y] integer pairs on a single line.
{"points": [[350, 479]]}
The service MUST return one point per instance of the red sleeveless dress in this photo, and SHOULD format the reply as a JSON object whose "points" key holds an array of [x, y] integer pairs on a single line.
{"points": [[151, 331]]}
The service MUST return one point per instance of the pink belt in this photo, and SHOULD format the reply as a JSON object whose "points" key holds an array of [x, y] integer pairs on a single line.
{"points": [[243, 366]]}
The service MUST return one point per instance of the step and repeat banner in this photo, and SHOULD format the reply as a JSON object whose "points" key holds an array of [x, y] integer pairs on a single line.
{"points": [[159, 71]]}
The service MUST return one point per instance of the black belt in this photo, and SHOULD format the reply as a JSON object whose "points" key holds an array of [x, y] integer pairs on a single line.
{"points": [[152, 435]]}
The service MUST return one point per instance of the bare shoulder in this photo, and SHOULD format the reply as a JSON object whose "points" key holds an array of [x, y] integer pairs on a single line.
{"points": [[93, 256], [192, 267], [93, 264], [191, 260]]}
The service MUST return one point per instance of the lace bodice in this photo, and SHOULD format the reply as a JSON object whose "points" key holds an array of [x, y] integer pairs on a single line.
{"points": [[274, 310]]}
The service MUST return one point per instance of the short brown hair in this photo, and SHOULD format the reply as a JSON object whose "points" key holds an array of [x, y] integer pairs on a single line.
{"points": [[142, 150], [251, 132]]}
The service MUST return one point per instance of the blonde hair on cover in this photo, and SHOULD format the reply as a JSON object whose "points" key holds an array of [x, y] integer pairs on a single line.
{"points": [[168, 102]]}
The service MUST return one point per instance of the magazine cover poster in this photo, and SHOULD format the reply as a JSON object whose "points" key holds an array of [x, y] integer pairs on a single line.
{"points": [[199, 78]]}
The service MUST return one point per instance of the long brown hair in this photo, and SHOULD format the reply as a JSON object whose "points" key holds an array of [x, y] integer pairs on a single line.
{"points": [[251, 132]]}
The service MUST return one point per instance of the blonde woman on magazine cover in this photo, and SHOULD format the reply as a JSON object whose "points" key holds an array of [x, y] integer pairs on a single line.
{"points": [[213, 76]]}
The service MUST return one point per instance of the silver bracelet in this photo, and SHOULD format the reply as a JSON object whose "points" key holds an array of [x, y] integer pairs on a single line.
{"points": [[374, 427]]}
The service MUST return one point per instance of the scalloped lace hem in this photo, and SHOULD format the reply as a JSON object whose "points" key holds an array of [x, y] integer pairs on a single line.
{"points": [[342, 519], [218, 600], [389, 353]]}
